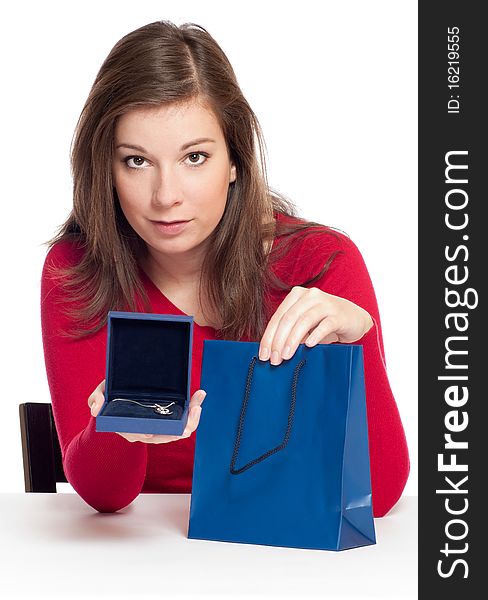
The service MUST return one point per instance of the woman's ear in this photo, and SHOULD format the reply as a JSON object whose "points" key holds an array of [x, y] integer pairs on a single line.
{"points": [[233, 174]]}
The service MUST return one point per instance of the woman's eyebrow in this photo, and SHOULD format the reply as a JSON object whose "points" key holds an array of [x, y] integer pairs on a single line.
{"points": [[184, 147], [194, 142]]}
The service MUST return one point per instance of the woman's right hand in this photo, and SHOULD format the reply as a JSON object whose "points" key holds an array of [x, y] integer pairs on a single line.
{"points": [[96, 400]]}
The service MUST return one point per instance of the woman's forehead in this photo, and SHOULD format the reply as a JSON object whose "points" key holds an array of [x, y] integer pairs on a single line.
{"points": [[173, 121]]}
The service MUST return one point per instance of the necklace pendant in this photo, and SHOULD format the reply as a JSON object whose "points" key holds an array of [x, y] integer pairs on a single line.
{"points": [[162, 410]]}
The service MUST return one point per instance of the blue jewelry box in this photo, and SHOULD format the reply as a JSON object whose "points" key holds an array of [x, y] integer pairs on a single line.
{"points": [[148, 369]]}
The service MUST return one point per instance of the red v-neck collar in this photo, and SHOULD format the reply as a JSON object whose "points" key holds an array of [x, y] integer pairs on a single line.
{"points": [[164, 299]]}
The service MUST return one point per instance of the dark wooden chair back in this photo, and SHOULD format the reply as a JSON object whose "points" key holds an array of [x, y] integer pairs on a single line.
{"points": [[41, 451]]}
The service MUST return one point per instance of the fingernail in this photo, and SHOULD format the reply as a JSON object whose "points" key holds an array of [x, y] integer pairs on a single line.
{"points": [[275, 358], [264, 354], [286, 352]]}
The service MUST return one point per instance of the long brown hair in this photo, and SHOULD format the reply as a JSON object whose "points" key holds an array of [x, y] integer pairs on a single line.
{"points": [[156, 64]]}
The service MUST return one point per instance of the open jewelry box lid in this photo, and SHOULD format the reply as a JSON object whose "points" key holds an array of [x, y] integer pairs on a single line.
{"points": [[149, 360]]}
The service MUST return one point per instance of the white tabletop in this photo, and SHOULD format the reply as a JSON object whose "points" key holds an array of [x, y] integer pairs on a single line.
{"points": [[56, 545]]}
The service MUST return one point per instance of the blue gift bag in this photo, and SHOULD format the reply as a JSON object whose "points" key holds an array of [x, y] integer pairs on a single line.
{"points": [[281, 455]]}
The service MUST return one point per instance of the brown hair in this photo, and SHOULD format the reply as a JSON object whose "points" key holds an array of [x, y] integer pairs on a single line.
{"points": [[156, 64]]}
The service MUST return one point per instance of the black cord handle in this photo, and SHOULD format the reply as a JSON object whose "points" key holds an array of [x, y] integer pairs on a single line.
{"points": [[243, 414]]}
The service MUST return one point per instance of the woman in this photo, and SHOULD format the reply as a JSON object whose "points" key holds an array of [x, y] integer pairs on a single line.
{"points": [[172, 214]]}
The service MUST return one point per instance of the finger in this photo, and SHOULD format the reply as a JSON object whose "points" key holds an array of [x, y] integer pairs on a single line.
{"points": [[161, 439], [130, 437], [324, 333], [193, 420], [197, 417], [330, 339], [265, 348], [127, 436], [197, 398], [300, 318], [97, 404], [148, 438], [94, 405], [300, 332], [96, 398]]}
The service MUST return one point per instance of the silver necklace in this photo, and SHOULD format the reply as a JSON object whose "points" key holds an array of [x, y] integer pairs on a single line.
{"points": [[161, 410]]}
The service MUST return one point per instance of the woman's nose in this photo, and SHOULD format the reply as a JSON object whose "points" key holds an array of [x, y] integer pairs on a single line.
{"points": [[166, 188]]}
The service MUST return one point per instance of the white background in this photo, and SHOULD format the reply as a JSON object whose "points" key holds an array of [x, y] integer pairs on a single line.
{"points": [[334, 85]]}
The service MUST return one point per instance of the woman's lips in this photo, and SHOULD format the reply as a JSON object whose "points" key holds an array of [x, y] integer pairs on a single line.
{"points": [[170, 228]]}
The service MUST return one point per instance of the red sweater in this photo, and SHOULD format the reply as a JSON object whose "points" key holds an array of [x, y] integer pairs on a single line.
{"points": [[108, 472]]}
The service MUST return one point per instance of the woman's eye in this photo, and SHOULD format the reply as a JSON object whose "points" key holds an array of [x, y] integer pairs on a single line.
{"points": [[137, 162], [197, 154]]}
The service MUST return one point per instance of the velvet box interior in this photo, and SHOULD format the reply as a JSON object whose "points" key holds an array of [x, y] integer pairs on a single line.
{"points": [[147, 383]]}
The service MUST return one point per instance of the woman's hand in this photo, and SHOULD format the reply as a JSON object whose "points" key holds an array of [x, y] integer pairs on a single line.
{"points": [[96, 400], [311, 316]]}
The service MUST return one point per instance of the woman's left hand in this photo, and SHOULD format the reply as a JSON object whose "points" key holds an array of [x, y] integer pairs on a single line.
{"points": [[311, 316]]}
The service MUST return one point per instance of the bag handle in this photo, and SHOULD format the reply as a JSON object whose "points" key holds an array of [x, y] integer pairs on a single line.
{"points": [[243, 414]]}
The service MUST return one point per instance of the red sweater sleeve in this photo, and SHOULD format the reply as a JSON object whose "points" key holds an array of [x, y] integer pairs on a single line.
{"points": [[106, 470], [348, 278]]}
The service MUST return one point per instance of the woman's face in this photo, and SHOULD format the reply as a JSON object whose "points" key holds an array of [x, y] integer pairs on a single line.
{"points": [[162, 173]]}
